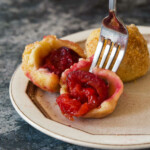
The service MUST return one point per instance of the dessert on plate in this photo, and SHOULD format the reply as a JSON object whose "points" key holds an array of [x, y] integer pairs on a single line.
{"points": [[44, 61], [54, 64], [136, 60]]}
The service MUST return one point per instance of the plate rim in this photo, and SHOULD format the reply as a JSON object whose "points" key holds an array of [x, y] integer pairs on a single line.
{"points": [[65, 139]]}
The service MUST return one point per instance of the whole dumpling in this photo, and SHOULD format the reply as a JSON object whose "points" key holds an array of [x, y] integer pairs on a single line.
{"points": [[136, 60]]}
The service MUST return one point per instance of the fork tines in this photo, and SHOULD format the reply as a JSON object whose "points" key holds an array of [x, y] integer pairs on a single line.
{"points": [[115, 40]]}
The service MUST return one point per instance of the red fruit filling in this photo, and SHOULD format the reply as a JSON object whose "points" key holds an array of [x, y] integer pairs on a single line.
{"points": [[86, 91], [60, 60]]}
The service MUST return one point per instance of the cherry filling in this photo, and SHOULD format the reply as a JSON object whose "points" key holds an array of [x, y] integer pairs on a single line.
{"points": [[60, 60], [85, 92]]}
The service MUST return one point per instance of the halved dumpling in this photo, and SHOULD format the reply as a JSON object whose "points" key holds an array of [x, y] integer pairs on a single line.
{"points": [[88, 95], [41, 61]]}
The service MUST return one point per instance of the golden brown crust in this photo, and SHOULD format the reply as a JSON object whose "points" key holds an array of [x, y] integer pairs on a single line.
{"points": [[136, 60], [115, 88], [31, 61]]}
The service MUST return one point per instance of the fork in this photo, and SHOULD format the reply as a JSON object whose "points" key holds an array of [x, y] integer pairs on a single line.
{"points": [[115, 34]]}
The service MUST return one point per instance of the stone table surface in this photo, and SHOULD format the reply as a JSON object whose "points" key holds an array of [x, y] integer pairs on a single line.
{"points": [[23, 22]]}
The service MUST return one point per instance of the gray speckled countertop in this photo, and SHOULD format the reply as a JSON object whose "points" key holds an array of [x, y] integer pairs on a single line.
{"points": [[23, 22]]}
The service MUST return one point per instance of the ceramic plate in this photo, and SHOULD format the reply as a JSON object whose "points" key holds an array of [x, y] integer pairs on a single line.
{"points": [[127, 127]]}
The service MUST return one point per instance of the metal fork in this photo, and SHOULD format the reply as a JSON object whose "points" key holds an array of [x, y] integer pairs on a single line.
{"points": [[113, 32]]}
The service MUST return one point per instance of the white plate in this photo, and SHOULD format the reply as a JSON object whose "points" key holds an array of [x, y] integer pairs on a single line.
{"points": [[127, 127]]}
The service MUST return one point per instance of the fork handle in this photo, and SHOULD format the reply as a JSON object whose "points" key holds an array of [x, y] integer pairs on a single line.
{"points": [[112, 5]]}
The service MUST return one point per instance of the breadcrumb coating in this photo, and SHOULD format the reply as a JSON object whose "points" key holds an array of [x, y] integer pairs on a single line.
{"points": [[136, 60]]}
